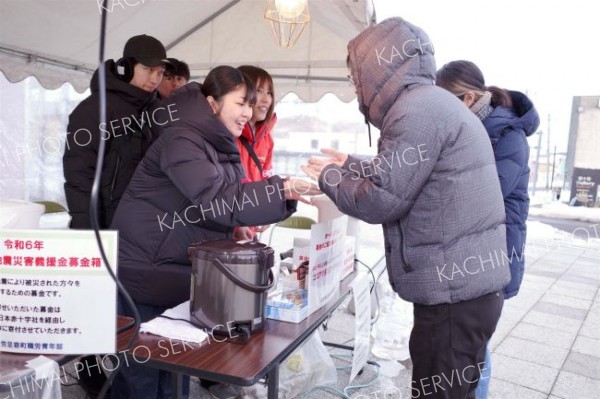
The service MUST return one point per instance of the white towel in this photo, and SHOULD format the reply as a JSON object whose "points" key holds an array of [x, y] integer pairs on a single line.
{"points": [[175, 329], [47, 375]]}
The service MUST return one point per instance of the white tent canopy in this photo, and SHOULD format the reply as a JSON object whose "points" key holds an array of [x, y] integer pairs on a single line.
{"points": [[57, 41]]}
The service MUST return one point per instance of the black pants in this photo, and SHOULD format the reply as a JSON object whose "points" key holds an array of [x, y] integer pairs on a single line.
{"points": [[447, 346], [137, 381]]}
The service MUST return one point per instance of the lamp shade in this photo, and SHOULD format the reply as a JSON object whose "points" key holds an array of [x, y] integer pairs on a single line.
{"points": [[288, 19]]}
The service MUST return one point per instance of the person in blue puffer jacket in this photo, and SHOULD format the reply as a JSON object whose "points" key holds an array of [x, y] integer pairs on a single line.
{"points": [[509, 117]]}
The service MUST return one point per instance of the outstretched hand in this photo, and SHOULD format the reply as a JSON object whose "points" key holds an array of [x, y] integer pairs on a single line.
{"points": [[317, 164], [335, 156], [295, 189]]}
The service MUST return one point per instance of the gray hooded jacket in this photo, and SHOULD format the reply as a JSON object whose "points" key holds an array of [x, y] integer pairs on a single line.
{"points": [[433, 185]]}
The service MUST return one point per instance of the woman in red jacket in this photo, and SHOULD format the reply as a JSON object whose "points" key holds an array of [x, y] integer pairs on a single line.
{"points": [[256, 143], [257, 132]]}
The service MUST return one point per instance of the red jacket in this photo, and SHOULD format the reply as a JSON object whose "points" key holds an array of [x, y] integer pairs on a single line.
{"points": [[262, 143]]}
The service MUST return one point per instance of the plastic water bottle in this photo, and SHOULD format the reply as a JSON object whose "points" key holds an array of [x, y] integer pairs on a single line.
{"points": [[392, 330]]}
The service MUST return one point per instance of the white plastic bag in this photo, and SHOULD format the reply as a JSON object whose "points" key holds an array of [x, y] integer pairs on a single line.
{"points": [[308, 366]]}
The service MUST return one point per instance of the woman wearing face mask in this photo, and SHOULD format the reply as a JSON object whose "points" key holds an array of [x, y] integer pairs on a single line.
{"points": [[509, 117], [189, 188], [256, 143]]}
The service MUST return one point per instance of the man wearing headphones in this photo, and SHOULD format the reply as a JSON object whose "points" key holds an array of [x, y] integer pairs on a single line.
{"points": [[131, 84]]}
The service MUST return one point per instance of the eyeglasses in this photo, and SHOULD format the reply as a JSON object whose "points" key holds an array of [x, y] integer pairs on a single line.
{"points": [[350, 79]]}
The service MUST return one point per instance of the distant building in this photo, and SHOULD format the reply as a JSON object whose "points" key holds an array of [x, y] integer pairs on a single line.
{"points": [[583, 154], [303, 129]]}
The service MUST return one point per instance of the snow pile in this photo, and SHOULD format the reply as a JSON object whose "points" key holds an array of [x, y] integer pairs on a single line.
{"points": [[543, 238], [541, 231], [564, 211]]}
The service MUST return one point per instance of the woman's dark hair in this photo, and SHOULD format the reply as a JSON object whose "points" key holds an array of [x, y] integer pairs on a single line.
{"points": [[458, 77], [260, 76], [224, 79]]}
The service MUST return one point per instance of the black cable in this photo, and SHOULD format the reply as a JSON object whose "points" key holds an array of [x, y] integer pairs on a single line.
{"points": [[94, 219], [69, 385], [375, 280], [370, 271], [382, 270], [76, 378]]}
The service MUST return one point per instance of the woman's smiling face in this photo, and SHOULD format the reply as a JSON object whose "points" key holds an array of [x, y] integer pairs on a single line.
{"points": [[233, 110], [264, 99]]}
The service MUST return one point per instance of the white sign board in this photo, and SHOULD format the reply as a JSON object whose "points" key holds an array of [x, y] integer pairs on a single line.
{"points": [[325, 261], [56, 296], [362, 323]]}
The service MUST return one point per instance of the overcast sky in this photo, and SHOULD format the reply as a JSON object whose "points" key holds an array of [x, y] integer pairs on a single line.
{"points": [[551, 50]]}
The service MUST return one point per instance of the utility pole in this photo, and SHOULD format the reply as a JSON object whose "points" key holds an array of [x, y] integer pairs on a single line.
{"points": [[548, 155], [553, 166], [537, 162]]}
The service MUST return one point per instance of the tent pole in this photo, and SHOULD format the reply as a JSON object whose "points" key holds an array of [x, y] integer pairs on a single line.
{"points": [[201, 24]]}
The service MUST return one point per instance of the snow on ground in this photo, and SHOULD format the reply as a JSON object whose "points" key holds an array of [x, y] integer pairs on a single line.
{"points": [[541, 231], [542, 238], [564, 211], [543, 205]]}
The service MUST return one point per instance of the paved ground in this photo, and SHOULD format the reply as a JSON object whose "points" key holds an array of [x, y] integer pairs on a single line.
{"points": [[547, 344]]}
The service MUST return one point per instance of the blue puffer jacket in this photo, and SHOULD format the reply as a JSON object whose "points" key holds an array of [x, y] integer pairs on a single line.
{"points": [[508, 129]]}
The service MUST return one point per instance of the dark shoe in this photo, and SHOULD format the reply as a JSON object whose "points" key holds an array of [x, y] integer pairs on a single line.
{"points": [[223, 391], [207, 383]]}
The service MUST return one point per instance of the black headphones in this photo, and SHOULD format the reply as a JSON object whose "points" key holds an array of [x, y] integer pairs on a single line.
{"points": [[124, 68]]}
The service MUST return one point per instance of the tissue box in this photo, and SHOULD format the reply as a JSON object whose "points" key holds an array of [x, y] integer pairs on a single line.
{"points": [[295, 280], [290, 306]]}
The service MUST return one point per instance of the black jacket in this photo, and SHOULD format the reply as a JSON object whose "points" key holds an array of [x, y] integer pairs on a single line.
{"points": [[188, 188], [127, 138]]}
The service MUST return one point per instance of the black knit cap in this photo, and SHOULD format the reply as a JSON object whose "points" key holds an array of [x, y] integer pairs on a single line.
{"points": [[145, 49]]}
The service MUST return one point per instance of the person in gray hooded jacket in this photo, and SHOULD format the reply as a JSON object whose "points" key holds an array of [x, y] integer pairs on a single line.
{"points": [[434, 188]]}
